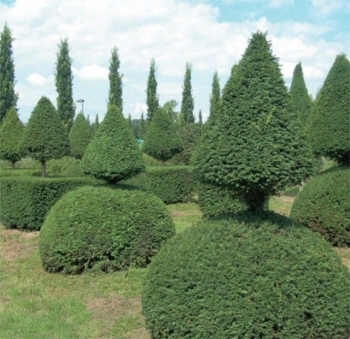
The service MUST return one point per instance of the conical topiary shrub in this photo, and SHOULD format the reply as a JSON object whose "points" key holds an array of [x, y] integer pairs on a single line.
{"points": [[161, 140], [329, 123], [11, 132], [113, 154], [80, 136], [45, 137]]}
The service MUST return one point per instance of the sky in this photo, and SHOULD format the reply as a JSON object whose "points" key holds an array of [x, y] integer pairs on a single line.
{"points": [[210, 35]]}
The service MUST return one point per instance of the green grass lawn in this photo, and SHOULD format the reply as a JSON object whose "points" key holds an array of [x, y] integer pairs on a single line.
{"points": [[35, 304]]}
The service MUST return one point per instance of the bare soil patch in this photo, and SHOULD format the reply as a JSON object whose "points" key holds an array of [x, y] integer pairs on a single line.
{"points": [[15, 244], [344, 254]]}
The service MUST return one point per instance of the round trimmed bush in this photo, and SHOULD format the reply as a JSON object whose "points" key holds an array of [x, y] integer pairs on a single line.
{"points": [[103, 229], [247, 277], [324, 206]]}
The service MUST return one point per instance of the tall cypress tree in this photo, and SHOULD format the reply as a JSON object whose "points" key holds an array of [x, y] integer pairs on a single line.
{"points": [[329, 125], [152, 97], [215, 96], [45, 137], [64, 85], [142, 127], [255, 147], [187, 103], [11, 133], [115, 81], [299, 94], [200, 118], [8, 97], [80, 136]]}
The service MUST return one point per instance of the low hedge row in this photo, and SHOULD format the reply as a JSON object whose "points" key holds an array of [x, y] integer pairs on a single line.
{"points": [[25, 201], [18, 173], [215, 200], [170, 184]]}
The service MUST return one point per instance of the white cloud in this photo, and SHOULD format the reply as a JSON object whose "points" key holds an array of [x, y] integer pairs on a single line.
{"points": [[39, 80], [92, 72], [327, 7]]}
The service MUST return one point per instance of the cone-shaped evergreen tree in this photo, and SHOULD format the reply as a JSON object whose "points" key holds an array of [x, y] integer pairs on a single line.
{"points": [[11, 133], [115, 81], [45, 137], [161, 140], [152, 96], [80, 136], [255, 146], [200, 118], [187, 103], [215, 95], [300, 97], [8, 97], [329, 125], [113, 154], [64, 85]]}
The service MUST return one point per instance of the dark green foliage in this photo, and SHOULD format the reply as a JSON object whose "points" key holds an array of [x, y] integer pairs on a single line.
{"points": [[113, 154], [79, 136], [115, 95], [142, 127], [8, 97], [152, 96], [64, 85], [255, 145], [26, 200], [200, 118], [189, 135], [329, 124], [248, 277], [103, 229], [215, 96], [215, 200], [187, 103], [45, 137], [11, 132], [161, 140], [170, 184], [300, 97], [323, 205], [94, 125]]}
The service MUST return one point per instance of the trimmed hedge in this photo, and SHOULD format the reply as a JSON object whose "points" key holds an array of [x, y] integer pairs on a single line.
{"points": [[25, 201], [103, 229], [170, 184], [18, 172], [324, 205], [248, 277], [216, 200]]}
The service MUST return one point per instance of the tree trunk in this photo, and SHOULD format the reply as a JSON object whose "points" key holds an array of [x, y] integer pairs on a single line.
{"points": [[43, 169], [13, 164]]}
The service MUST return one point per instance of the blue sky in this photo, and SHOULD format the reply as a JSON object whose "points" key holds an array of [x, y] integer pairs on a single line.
{"points": [[211, 35]]}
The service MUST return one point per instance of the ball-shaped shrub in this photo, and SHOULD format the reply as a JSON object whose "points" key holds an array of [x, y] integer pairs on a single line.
{"points": [[103, 229], [248, 277], [324, 206]]}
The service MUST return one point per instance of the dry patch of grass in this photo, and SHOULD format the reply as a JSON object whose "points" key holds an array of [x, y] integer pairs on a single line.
{"points": [[344, 254]]}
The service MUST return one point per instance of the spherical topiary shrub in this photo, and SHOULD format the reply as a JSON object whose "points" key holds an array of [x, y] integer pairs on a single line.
{"points": [[103, 229], [324, 206], [248, 277]]}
